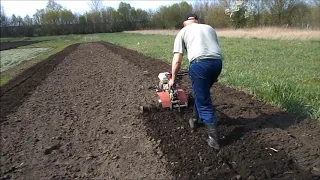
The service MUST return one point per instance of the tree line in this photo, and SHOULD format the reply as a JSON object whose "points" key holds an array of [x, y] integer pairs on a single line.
{"points": [[56, 20]]}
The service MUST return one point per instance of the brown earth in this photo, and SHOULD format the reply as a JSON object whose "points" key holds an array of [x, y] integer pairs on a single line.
{"points": [[15, 44], [76, 116]]}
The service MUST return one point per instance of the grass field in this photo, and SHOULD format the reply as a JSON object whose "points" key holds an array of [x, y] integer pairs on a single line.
{"points": [[261, 33], [285, 73], [13, 57]]}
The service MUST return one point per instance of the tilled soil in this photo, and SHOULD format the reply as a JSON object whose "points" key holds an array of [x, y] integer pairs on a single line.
{"points": [[81, 118], [80, 122], [15, 44]]}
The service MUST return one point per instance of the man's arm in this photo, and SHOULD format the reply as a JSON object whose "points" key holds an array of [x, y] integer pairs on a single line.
{"points": [[177, 57], [176, 63]]}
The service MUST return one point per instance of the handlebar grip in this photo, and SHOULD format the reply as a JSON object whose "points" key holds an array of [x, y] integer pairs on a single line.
{"points": [[182, 73]]}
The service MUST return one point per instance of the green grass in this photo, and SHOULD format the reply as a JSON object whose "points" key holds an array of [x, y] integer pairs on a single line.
{"points": [[13, 57], [4, 79], [285, 73]]}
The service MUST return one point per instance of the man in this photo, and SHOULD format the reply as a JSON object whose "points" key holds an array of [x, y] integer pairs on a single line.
{"points": [[204, 54]]}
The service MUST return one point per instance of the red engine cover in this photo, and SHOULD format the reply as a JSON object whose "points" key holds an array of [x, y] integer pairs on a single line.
{"points": [[165, 99]]}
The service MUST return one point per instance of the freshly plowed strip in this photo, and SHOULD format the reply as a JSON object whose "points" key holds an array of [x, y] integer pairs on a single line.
{"points": [[80, 123], [249, 129]]}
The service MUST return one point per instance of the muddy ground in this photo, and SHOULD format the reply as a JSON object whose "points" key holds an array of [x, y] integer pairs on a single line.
{"points": [[76, 116], [15, 44]]}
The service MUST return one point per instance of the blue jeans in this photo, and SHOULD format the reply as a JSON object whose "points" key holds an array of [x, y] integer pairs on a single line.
{"points": [[203, 74]]}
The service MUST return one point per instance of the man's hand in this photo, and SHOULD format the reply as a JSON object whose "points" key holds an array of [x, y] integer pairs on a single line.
{"points": [[171, 83]]}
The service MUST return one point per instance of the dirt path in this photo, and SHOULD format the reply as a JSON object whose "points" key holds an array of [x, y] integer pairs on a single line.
{"points": [[12, 45], [83, 121]]}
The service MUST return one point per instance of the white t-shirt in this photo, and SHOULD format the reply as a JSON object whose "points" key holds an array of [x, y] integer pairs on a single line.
{"points": [[200, 42]]}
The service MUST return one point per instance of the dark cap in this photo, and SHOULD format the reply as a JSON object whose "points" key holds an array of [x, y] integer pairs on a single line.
{"points": [[190, 16]]}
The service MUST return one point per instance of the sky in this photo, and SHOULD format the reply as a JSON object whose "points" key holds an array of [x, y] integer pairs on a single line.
{"points": [[28, 7]]}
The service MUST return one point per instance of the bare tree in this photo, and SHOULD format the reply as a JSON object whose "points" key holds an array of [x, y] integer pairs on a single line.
{"points": [[38, 16], [53, 6], [95, 5], [4, 20], [316, 2], [282, 10], [226, 3], [201, 7]]}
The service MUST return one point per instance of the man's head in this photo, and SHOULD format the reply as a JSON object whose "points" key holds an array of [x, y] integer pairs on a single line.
{"points": [[190, 18]]}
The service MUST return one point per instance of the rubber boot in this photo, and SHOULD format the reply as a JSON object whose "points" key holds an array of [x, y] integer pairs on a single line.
{"points": [[213, 140], [194, 119]]}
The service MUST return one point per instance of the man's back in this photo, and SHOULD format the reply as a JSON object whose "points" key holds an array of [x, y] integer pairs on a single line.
{"points": [[201, 42]]}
